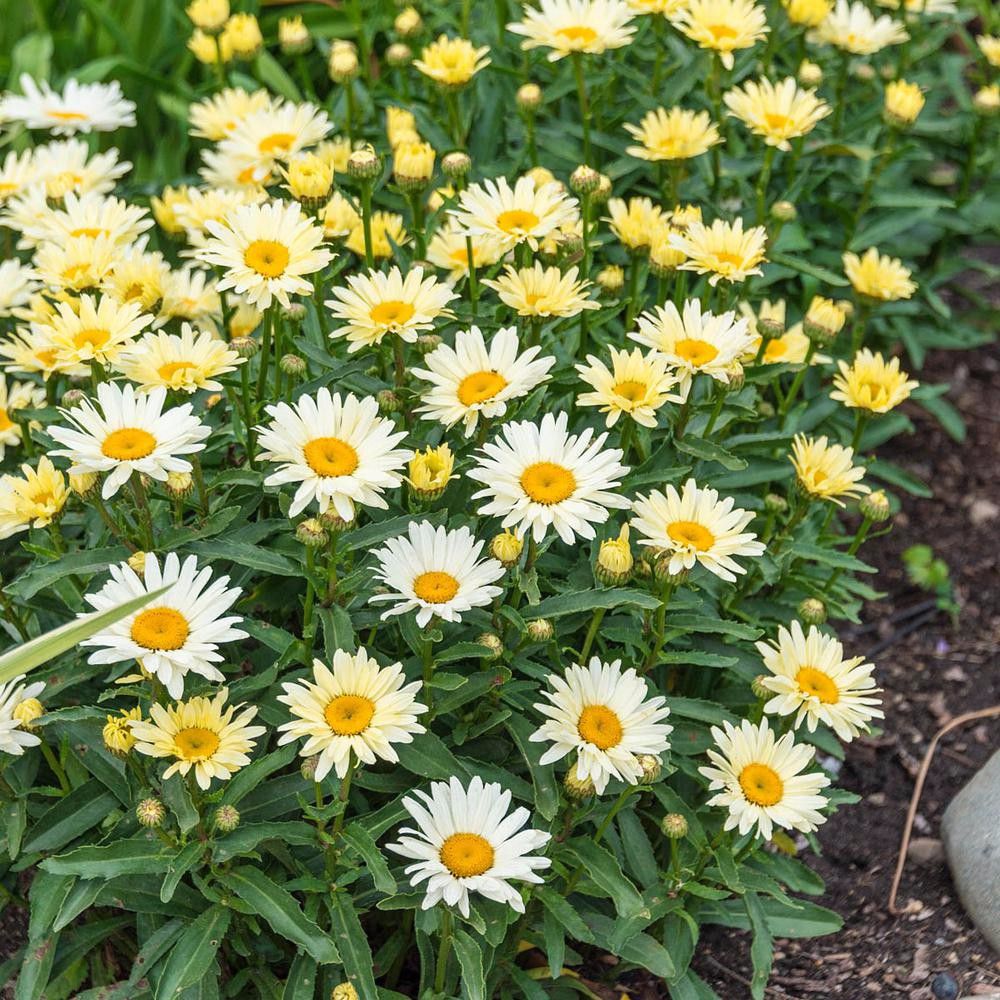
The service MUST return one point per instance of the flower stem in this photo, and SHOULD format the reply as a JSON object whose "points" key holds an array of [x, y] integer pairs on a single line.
{"points": [[366, 222], [581, 93], [762, 181], [444, 951], [588, 642]]}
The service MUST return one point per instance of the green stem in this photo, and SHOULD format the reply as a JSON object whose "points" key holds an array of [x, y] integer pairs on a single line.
{"points": [[366, 222], [762, 182], [800, 377], [344, 794], [265, 354], [56, 767], [473, 282], [584, 100], [444, 951], [859, 538], [660, 628], [588, 642], [860, 421], [720, 399]]}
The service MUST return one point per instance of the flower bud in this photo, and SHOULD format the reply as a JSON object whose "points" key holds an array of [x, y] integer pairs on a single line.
{"points": [[430, 471], [661, 569], [758, 688], [674, 826], [292, 364], [310, 179], [150, 813], [810, 74], [398, 55], [864, 72], [308, 768], [942, 175], [737, 377], [823, 321], [117, 731], [293, 36], [343, 65], [506, 548], [683, 215], [812, 611], [611, 279], [137, 562], [27, 711], [364, 164], [492, 642], [413, 165], [603, 191], [428, 342], [784, 211], [83, 484], [775, 503], [209, 15], [643, 568], [584, 180], [388, 401], [903, 103], [226, 819], [73, 397], [615, 560], [178, 484], [540, 630], [333, 522], [765, 409], [408, 23], [986, 100], [875, 507], [242, 32], [456, 165], [578, 789], [311, 533], [663, 258], [245, 347], [651, 768], [529, 97]]}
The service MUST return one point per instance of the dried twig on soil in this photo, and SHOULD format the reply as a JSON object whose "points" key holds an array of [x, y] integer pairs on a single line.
{"points": [[959, 720]]}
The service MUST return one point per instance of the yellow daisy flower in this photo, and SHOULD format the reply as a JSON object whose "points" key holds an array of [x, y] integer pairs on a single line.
{"points": [[871, 383], [32, 500], [878, 277], [776, 111], [723, 250], [571, 26], [636, 385], [826, 471], [722, 26], [452, 62], [542, 291], [677, 134]]}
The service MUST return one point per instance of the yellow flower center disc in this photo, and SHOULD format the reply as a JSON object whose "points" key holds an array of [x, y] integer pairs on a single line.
{"points": [[160, 628], [466, 855], [196, 743], [128, 444], [435, 587], [349, 714], [266, 258], [329, 456], [480, 386], [692, 534], [818, 684], [600, 726], [548, 483], [761, 785]]}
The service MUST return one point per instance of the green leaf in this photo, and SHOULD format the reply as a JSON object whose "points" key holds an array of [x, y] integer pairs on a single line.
{"points": [[353, 944], [709, 451], [301, 981], [813, 270], [542, 775], [193, 954], [70, 817], [362, 841], [338, 632], [247, 836], [430, 758], [555, 942], [83, 563], [712, 626], [249, 777], [761, 951], [36, 969], [641, 948], [252, 556], [592, 600], [280, 910], [270, 72], [470, 960], [178, 800], [185, 860], [564, 912], [137, 856], [602, 868]]}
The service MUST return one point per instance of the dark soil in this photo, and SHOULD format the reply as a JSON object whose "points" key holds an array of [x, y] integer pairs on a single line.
{"points": [[930, 675]]}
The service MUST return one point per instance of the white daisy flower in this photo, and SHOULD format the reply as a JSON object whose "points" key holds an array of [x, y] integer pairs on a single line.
{"points": [[91, 214], [17, 173], [434, 571], [760, 780], [81, 107], [695, 341], [696, 526], [18, 282], [92, 329], [180, 633], [525, 213], [276, 132], [606, 717], [66, 165], [339, 451], [539, 476], [571, 26], [202, 734], [191, 294], [129, 433], [634, 385], [470, 378], [14, 738], [216, 116], [266, 252], [812, 680], [78, 264], [376, 304], [356, 707], [467, 840]]}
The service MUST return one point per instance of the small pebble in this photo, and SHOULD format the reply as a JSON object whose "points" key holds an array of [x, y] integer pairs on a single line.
{"points": [[944, 986]]}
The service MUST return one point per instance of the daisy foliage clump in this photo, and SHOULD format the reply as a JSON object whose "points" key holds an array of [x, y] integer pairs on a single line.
{"points": [[462, 420]]}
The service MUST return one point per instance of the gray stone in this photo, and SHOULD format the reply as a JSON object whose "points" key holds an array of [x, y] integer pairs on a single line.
{"points": [[971, 834], [925, 851]]}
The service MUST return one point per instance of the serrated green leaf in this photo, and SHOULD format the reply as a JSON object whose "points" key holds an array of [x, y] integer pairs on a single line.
{"points": [[193, 954]]}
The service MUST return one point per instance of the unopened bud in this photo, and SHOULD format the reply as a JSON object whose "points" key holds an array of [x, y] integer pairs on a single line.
{"points": [[611, 279], [137, 562], [876, 507], [150, 813], [456, 165], [784, 211], [824, 320], [408, 22], [292, 364], [651, 767], [226, 819], [578, 789], [73, 397], [584, 180], [603, 190], [398, 55], [758, 688], [810, 74], [83, 484], [737, 377], [492, 642], [245, 347], [529, 97], [615, 560], [812, 611], [540, 630], [308, 768], [986, 100], [27, 711], [674, 826], [506, 548], [311, 533], [364, 164], [178, 484], [333, 522], [343, 65], [428, 342], [345, 991], [388, 401], [775, 503]]}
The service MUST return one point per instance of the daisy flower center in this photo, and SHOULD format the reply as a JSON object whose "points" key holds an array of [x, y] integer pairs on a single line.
{"points": [[277, 142], [435, 587], [459, 256], [134, 291], [761, 785], [548, 483], [91, 338], [517, 220], [697, 352], [730, 258], [5, 422], [267, 258], [818, 684], [581, 34], [329, 456], [776, 122], [128, 444], [160, 629], [172, 368], [722, 32], [466, 855], [392, 313], [67, 116], [196, 743], [46, 357], [692, 534], [775, 349], [631, 390], [349, 714], [874, 389], [480, 386], [600, 726]]}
